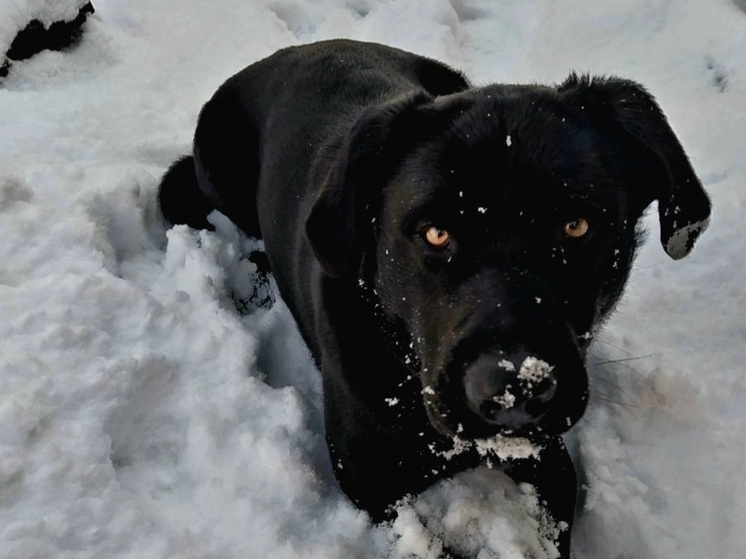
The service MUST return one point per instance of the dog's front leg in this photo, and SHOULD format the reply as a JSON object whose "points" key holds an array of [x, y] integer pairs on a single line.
{"points": [[553, 476]]}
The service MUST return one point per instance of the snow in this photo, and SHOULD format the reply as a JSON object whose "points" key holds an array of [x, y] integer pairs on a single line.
{"points": [[146, 414], [678, 245], [534, 370]]}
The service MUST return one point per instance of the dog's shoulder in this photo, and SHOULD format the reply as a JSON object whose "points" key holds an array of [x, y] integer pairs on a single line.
{"points": [[433, 76]]}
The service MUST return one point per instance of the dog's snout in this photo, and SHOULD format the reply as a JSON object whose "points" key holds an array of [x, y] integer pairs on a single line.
{"points": [[512, 393]]}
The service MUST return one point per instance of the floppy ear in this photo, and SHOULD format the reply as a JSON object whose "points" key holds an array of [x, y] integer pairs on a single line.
{"points": [[683, 205], [367, 158]]}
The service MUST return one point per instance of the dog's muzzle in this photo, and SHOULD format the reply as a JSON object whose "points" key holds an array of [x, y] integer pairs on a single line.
{"points": [[511, 392], [485, 387]]}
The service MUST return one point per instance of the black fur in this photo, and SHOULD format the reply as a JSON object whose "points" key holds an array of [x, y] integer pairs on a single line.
{"points": [[341, 155]]}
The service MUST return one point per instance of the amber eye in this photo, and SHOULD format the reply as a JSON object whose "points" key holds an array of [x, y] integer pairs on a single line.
{"points": [[437, 237], [577, 228]]}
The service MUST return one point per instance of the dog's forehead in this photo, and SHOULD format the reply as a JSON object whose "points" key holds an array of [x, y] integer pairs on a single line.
{"points": [[527, 131], [511, 147]]}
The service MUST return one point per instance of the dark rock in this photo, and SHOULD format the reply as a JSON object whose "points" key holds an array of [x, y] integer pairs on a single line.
{"points": [[37, 36]]}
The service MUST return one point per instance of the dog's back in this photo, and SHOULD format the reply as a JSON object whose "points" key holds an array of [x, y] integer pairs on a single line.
{"points": [[266, 123], [277, 122]]}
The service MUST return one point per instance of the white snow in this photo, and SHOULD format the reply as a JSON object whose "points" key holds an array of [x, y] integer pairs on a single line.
{"points": [[142, 415], [506, 447], [499, 446], [506, 400], [506, 364], [533, 370], [678, 245]]}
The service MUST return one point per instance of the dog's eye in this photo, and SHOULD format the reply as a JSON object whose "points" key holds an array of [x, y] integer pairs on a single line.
{"points": [[577, 228], [437, 237]]}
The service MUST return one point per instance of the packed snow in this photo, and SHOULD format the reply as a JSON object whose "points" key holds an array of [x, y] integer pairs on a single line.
{"points": [[154, 404]]}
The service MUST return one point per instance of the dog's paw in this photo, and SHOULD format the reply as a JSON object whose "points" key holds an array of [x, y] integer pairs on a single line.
{"points": [[479, 513], [254, 290]]}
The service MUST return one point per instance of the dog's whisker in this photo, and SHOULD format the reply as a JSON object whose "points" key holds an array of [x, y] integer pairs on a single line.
{"points": [[609, 400], [621, 360], [648, 266], [610, 344]]}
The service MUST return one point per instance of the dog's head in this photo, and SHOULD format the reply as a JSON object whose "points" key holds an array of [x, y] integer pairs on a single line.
{"points": [[496, 229]]}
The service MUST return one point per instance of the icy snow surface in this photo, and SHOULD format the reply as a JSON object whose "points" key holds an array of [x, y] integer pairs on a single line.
{"points": [[144, 414]]}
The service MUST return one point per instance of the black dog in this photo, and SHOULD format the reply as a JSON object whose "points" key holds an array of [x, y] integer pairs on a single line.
{"points": [[447, 251]]}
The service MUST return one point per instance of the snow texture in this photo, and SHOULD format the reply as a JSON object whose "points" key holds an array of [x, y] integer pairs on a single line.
{"points": [[153, 405]]}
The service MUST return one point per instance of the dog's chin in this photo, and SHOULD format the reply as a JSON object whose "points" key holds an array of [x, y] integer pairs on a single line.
{"points": [[463, 425], [466, 426]]}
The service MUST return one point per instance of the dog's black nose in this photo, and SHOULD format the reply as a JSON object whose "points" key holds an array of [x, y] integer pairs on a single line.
{"points": [[510, 392]]}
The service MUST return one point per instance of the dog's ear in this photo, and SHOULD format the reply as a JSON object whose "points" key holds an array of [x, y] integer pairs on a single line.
{"points": [[683, 205], [368, 156]]}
